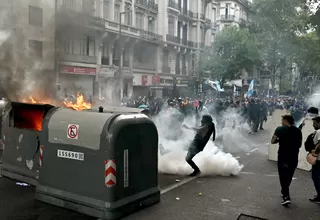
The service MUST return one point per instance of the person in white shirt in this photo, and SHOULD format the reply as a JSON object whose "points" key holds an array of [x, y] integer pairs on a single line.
{"points": [[316, 167]]}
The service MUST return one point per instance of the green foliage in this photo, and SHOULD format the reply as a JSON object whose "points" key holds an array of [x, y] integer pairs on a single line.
{"points": [[234, 49], [308, 56]]}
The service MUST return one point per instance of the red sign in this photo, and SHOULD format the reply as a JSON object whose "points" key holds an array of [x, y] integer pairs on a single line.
{"points": [[155, 80], [78, 70], [144, 80]]}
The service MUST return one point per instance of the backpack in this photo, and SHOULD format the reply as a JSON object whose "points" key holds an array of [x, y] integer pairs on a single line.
{"points": [[309, 145]]}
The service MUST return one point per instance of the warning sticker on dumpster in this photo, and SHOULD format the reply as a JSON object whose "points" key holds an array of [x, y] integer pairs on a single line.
{"points": [[73, 131], [70, 155]]}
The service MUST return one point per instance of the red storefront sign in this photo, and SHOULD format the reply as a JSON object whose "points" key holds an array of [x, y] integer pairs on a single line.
{"points": [[155, 80], [144, 80], [78, 70]]}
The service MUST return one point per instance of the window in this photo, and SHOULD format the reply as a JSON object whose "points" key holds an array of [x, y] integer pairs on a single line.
{"points": [[68, 46], [88, 7], [128, 15], [35, 16], [165, 58], [106, 9], [227, 9], [139, 20], [69, 4], [35, 49], [214, 14], [171, 25], [117, 13], [151, 25]]}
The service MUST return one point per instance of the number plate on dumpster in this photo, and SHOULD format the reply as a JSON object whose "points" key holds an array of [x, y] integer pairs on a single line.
{"points": [[70, 155]]}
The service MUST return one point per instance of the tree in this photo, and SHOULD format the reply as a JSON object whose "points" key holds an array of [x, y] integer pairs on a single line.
{"points": [[234, 49], [276, 24]]}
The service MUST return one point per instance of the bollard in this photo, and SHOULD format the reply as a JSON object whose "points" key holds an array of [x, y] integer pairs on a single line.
{"points": [[101, 165], [21, 126], [100, 109]]}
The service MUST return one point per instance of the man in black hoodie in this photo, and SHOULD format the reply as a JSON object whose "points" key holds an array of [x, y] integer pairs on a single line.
{"points": [[200, 140]]}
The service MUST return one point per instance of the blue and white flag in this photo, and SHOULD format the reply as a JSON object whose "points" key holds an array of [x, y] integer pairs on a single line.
{"points": [[250, 90], [214, 84], [235, 92]]}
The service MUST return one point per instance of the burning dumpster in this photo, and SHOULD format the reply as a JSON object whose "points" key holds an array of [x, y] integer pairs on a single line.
{"points": [[102, 165], [21, 126]]}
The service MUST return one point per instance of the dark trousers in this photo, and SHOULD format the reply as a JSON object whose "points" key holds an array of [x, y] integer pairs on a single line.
{"points": [[286, 171], [316, 177], [192, 152], [261, 122]]}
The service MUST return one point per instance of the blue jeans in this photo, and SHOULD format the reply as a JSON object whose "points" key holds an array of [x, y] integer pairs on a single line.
{"points": [[316, 177]]}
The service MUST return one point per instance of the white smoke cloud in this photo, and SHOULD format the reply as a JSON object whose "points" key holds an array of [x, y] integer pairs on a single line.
{"points": [[314, 99], [174, 143]]}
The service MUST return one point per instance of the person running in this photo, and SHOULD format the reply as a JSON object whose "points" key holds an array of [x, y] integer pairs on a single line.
{"points": [[289, 138], [200, 140]]}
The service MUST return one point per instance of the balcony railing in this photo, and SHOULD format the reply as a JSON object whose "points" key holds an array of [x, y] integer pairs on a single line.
{"points": [[173, 4], [166, 69], [147, 4], [185, 41], [242, 21], [195, 15], [228, 17], [150, 35], [246, 3], [191, 44], [132, 31], [173, 39]]}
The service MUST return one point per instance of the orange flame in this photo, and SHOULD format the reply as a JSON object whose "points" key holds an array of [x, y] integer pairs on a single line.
{"points": [[79, 105]]}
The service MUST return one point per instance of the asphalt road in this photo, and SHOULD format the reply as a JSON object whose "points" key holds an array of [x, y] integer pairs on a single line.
{"points": [[254, 192]]}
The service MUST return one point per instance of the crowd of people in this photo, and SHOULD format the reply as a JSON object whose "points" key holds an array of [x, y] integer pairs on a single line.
{"points": [[254, 111]]}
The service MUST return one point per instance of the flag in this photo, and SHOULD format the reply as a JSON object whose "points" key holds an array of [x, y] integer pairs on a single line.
{"points": [[250, 90], [235, 92], [214, 84]]}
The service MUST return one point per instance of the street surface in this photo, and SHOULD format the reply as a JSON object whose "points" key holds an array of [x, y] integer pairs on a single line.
{"points": [[255, 192]]}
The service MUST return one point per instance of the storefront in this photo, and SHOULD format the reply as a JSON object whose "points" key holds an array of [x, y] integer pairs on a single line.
{"points": [[75, 79]]}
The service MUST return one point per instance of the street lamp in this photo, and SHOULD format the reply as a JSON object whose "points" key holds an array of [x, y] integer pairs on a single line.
{"points": [[121, 78]]}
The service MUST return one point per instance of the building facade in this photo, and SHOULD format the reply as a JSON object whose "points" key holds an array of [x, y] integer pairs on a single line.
{"points": [[121, 48], [30, 46]]}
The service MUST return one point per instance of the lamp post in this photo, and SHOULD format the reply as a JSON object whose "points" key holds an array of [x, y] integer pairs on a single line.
{"points": [[121, 78]]}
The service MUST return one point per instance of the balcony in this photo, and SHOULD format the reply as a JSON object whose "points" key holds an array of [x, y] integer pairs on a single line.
{"points": [[174, 5], [185, 41], [150, 35], [132, 31], [243, 22], [149, 5], [166, 69], [191, 44], [173, 39], [246, 3], [144, 66], [67, 16], [228, 18], [78, 58], [195, 15]]}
